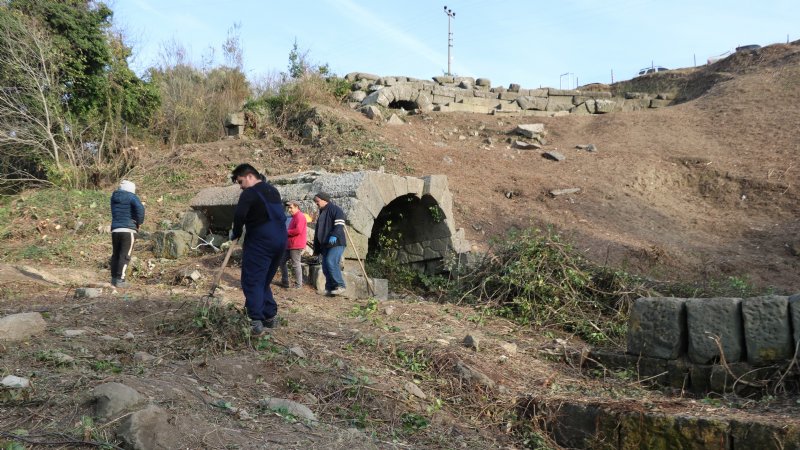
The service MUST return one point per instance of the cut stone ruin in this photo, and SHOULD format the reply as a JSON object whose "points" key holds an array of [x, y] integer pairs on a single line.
{"points": [[418, 212], [234, 124]]}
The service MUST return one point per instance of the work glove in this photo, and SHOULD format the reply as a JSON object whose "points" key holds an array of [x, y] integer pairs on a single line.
{"points": [[332, 240]]}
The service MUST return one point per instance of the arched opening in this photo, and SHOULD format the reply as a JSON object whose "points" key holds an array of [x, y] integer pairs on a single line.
{"points": [[406, 105], [410, 231]]}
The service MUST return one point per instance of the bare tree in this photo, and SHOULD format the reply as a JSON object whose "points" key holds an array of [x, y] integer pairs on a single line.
{"points": [[32, 126]]}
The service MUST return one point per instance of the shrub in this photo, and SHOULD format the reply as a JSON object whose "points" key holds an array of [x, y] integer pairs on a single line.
{"points": [[536, 278]]}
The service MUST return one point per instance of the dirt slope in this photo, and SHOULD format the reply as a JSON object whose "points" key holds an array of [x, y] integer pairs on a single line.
{"points": [[707, 188]]}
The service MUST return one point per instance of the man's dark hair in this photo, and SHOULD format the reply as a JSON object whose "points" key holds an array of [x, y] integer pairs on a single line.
{"points": [[242, 170]]}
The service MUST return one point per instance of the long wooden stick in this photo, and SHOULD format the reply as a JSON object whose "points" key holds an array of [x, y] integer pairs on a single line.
{"points": [[215, 285], [363, 270]]}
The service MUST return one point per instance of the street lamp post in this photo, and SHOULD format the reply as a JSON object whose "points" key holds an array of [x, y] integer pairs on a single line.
{"points": [[450, 15]]}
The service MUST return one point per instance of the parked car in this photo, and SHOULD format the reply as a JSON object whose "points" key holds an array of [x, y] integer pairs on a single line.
{"points": [[652, 69]]}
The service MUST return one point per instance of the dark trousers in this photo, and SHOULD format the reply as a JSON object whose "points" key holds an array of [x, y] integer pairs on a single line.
{"points": [[122, 244], [261, 256]]}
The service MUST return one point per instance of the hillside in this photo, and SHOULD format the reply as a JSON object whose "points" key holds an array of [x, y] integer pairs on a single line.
{"points": [[704, 191]]}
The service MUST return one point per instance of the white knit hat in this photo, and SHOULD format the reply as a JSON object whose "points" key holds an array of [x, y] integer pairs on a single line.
{"points": [[126, 185]]}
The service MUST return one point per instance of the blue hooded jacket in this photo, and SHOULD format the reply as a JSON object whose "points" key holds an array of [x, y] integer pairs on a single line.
{"points": [[127, 210]]}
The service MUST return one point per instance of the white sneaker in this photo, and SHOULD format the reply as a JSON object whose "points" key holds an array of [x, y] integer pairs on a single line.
{"points": [[338, 291]]}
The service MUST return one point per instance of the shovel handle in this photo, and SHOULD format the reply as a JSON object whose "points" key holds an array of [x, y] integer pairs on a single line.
{"points": [[222, 269]]}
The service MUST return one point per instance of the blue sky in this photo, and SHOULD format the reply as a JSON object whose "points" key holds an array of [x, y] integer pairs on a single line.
{"points": [[534, 43]]}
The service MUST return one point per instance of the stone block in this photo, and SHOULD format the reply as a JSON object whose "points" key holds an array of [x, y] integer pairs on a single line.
{"points": [[445, 91], [767, 330], [234, 119], [657, 327], [416, 186], [714, 317], [530, 130], [356, 285], [357, 96], [509, 106], [575, 425], [563, 92], [794, 314], [357, 245], [466, 107], [424, 102], [613, 360], [604, 106], [532, 103], [369, 196], [444, 79], [372, 112], [442, 99], [486, 94], [653, 369], [359, 218], [483, 82], [173, 244], [582, 109], [678, 373], [655, 103], [480, 101], [195, 222], [654, 431], [559, 103], [435, 185], [400, 186], [509, 95], [751, 435], [636, 104]]}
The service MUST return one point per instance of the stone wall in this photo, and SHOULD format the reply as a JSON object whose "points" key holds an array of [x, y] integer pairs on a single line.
{"points": [[466, 94], [596, 424], [710, 344]]}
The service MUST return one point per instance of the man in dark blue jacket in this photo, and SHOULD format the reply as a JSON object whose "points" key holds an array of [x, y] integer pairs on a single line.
{"points": [[260, 213], [329, 242], [127, 215]]}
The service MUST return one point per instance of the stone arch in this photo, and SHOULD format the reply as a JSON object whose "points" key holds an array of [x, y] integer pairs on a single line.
{"points": [[399, 93], [414, 227], [368, 199]]}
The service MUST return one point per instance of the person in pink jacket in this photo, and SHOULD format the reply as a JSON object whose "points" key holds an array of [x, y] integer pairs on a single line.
{"points": [[294, 245]]}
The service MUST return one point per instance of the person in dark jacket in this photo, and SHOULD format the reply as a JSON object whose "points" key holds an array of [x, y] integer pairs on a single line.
{"points": [[259, 213], [127, 215], [329, 242], [296, 230]]}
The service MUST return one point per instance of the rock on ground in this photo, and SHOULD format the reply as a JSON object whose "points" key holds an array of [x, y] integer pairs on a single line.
{"points": [[18, 327]]}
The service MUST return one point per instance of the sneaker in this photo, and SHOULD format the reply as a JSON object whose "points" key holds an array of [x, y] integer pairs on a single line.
{"points": [[256, 328], [114, 281], [272, 323], [338, 291], [121, 284]]}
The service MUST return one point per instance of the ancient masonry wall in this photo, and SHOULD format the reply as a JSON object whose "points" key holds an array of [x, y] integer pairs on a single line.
{"points": [[710, 344], [466, 94]]}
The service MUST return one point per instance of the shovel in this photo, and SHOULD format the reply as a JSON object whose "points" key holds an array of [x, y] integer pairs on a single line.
{"points": [[217, 278]]}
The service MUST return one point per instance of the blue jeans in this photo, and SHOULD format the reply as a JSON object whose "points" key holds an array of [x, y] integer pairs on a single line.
{"points": [[330, 267]]}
